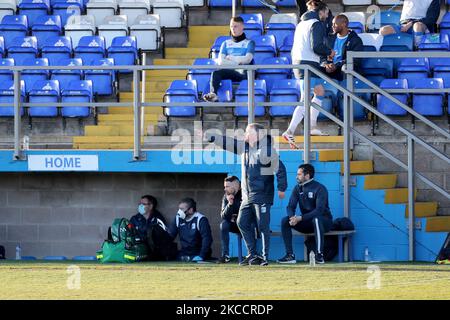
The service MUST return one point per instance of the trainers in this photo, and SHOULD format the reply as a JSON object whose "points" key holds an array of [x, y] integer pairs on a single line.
{"points": [[246, 260], [264, 262], [258, 261], [287, 259], [211, 97], [290, 139], [224, 259], [319, 258]]}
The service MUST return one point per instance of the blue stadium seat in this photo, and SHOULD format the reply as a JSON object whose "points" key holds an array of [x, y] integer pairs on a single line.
{"points": [[242, 96], [220, 3], [22, 48], [280, 31], [359, 112], [377, 69], [57, 48], [90, 48], [181, 91], [356, 26], [44, 92], [34, 9], [287, 90], [13, 26], [7, 96], [444, 26], [84, 258], [203, 76], [265, 47], [55, 258], [77, 91], [225, 92], [67, 8], [428, 104], [273, 75], [124, 51], [398, 42], [443, 72], [387, 18], [412, 68], [252, 4], [287, 3], [286, 48], [388, 107], [45, 27], [331, 95], [2, 47], [31, 76], [434, 42], [215, 49], [6, 75], [103, 80], [65, 76], [253, 24], [439, 62]]}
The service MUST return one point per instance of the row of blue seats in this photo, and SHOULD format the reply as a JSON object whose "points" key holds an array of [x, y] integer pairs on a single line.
{"points": [[123, 49], [48, 92], [104, 81], [249, 3]]}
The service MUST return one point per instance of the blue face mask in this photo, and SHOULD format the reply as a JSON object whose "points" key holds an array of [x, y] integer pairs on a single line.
{"points": [[141, 209]]}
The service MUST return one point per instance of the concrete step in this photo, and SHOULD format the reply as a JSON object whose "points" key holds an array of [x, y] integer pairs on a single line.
{"points": [[438, 224], [201, 35], [188, 53], [380, 181], [154, 86], [170, 74], [397, 195], [173, 62], [126, 110], [106, 131], [124, 117], [423, 209], [330, 155], [359, 167], [150, 95]]}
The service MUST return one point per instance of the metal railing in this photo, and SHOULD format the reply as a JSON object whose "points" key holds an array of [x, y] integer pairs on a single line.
{"points": [[350, 96]]}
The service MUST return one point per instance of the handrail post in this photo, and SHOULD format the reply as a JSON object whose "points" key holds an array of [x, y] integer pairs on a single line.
{"points": [[307, 122], [350, 87], [17, 118], [411, 200], [143, 62], [251, 96], [233, 8], [347, 145], [136, 118]]}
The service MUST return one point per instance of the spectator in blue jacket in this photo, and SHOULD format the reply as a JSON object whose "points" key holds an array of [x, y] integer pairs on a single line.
{"points": [[193, 230], [312, 197]]}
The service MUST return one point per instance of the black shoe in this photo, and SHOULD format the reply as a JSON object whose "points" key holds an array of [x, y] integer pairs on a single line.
{"points": [[224, 259], [258, 261], [319, 258], [264, 262], [246, 260], [287, 259]]}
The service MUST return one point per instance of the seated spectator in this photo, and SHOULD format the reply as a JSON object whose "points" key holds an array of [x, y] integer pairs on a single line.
{"points": [[194, 232], [236, 51], [342, 41], [418, 17], [231, 203], [147, 215]]}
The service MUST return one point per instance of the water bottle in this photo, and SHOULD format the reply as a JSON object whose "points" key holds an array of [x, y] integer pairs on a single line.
{"points": [[366, 255], [18, 256], [312, 259], [26, 142]]}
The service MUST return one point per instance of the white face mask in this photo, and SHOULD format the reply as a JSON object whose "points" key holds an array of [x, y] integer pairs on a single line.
{"points": [[181, 214]]}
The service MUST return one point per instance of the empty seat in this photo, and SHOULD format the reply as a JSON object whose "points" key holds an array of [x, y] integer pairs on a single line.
{"points": [[32, 76], [34, 9], [77, 91], [113, 26], [46, 91], [398, 42], [45, 27], [357, 21], [103, 81], [265, 47], [220, 3], [57, 48], [64, 76], [412, 68], [287, 90], [286, 48], [13, 26], [147, 30], [67, 8], [444, 26], [171, 12], [252, 4], [7, 96], [134, 8], [434, 42], [271, 76], [373, 40], [201, 76], [101, 9], [359, 111], [377, 69], [181, 91], [331, 95], [215, 48], [386, 18], [22, 48], [387, 106], [242, 96], [6, 75], [281, 26], [90, 48], [80, 26], [124, 52], [253, 24], [427, 104], [7, 7], [287, 3], [443, 72]]}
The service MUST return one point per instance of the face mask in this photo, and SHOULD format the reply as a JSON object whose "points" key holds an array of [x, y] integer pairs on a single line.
{"points": [[141, 209], [298, 181], [181, 214]]}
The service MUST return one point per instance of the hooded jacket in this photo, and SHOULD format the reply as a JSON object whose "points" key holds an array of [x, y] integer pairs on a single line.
{"points": [[353, 43]]}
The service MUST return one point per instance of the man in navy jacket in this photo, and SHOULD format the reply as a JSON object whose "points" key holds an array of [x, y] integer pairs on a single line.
{"points": [[312, 197]]}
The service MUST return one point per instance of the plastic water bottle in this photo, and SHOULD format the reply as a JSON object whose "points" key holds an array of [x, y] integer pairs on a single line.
{"points": [[366, 254], [18, 254], [312, 259]]}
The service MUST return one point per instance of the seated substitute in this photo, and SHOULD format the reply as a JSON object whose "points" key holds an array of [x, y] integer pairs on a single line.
{"points": [[312, 197]]}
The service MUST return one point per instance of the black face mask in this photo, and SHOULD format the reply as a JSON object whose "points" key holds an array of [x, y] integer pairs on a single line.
{"points": [[240, 38]]}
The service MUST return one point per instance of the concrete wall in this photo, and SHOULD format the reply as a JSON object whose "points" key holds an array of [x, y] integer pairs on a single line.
{"points": [[69, 214]]}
